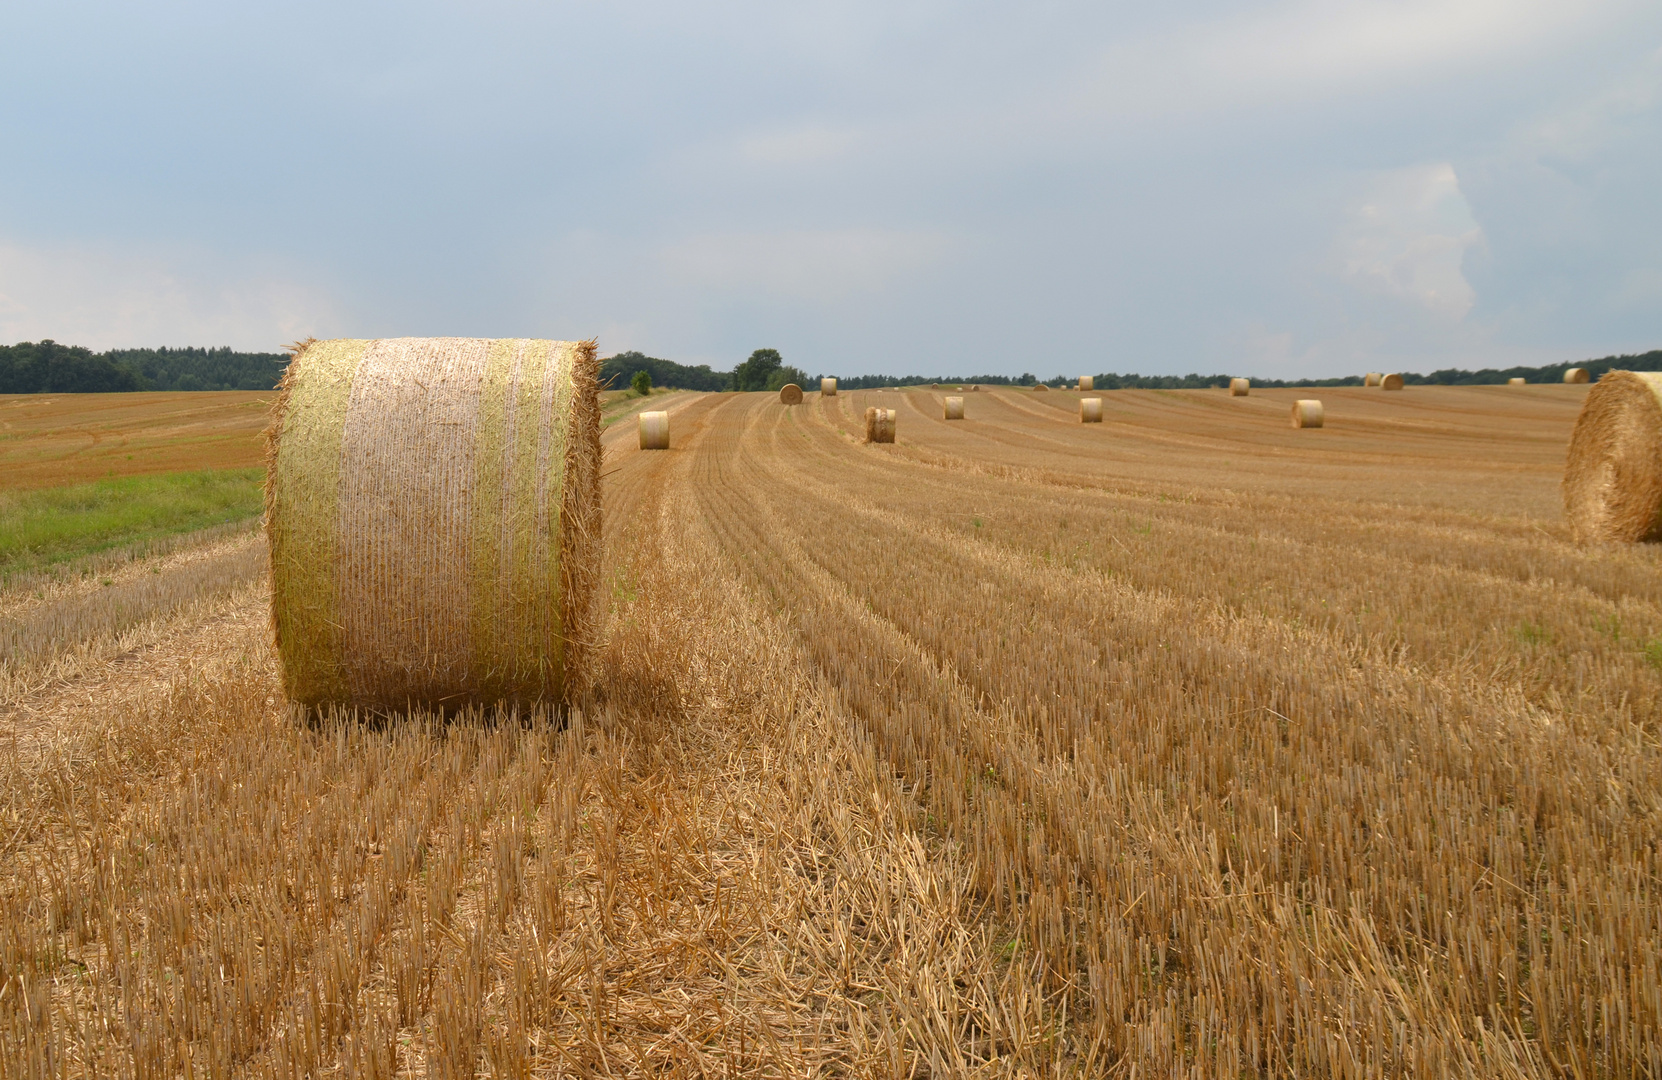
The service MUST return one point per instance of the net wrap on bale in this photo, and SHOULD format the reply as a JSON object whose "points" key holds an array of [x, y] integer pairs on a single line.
{"points": [[1090, 410], [1307, 413], [654, 430], [1239, 387], [828, 387], [433, 512], [1613, 478], [952, 408], [879, 425]]}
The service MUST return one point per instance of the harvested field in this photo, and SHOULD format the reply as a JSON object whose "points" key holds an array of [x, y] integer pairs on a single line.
{"points": [[1180, 743]]}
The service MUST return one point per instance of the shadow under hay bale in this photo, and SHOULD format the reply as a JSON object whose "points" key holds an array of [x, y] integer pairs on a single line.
{"points": [[433, 512], [879, 425], [654, 430], [1307, 413], [1613, 477]]}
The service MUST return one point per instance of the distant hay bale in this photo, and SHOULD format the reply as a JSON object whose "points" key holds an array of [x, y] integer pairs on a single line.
{"points": [[953, 408], [879, 425], [1090, 410], [1307, 412], [1613, 478], [1087, 382], [828, 387], [975, 389], [1239, 387], [1390, 382], [654, 430], [1515, 381], [1575, 375], [1039, 387], [790, 394], [433, 513], [1372, 378]]}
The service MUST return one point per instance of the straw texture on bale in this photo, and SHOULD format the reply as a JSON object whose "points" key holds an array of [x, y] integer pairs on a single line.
{"points": [[433, 512], [879, 425], [953, 408], [1090, 410], [1390, 382], [1307, 412], [1239, 387], [828, 387], [1575, 375], [1372, 378], [790, 394], [654, 430], [1087, 382], [1613, 479], [1515, 381]]}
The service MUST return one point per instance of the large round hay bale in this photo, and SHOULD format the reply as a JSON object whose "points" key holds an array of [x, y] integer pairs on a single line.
{"points": [[952, 408], [1575, 375], [1040, 386], [1307, 412], [1390, 382], [790, 394], [654, 430], [1372, 378], [433, 512], [1239, 387], [879, 425], [1613, 478], [828, 387], [1090, 410], [1515, 381], [1087, 382]]}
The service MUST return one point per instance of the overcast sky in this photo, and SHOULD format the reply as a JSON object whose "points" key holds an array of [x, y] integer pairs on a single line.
{"points": [[906, 187]]}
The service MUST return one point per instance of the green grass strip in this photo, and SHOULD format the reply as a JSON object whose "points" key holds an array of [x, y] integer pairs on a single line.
{"points": [[52, 525]]}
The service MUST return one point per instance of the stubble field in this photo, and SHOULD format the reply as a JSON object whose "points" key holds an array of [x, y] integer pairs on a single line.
{"points": [[1184, 744]]}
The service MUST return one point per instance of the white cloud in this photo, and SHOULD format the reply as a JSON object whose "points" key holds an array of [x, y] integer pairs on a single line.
{"points": [[1407, 238], [811, 265], [809, 144], [112, 299]]}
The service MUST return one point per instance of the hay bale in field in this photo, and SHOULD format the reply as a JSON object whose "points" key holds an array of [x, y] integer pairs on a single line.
{"points": [[1515, 381], [1613, 478], [828, 387], [1239, 387], [1040, 387], [975, 389], [1390, 382], [654, 430], [879, 425], [433, 512], [1090, 410], [1087, 382], [1575, 375], [790, 394], [1307, 412], [1372, 378], [952, 408]]}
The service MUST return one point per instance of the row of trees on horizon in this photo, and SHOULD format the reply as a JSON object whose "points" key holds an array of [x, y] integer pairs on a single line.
{"points": [[48, 367]]}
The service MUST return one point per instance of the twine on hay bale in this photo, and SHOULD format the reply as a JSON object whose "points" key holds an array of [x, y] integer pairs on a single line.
{"points": [[433, 513], [1372, 378], [1575, 375], [1087, 382], [790, 394], [1613, 478], [654, 430], [1390, 382], [1307, 412], [1090, 410], [828, 387], [879, 425], [952, 408], [1515, 380], [1239, 387]]}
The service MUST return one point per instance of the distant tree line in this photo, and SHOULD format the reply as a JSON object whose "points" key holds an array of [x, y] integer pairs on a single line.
{"points": [[45, 367], [764, 370]]}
